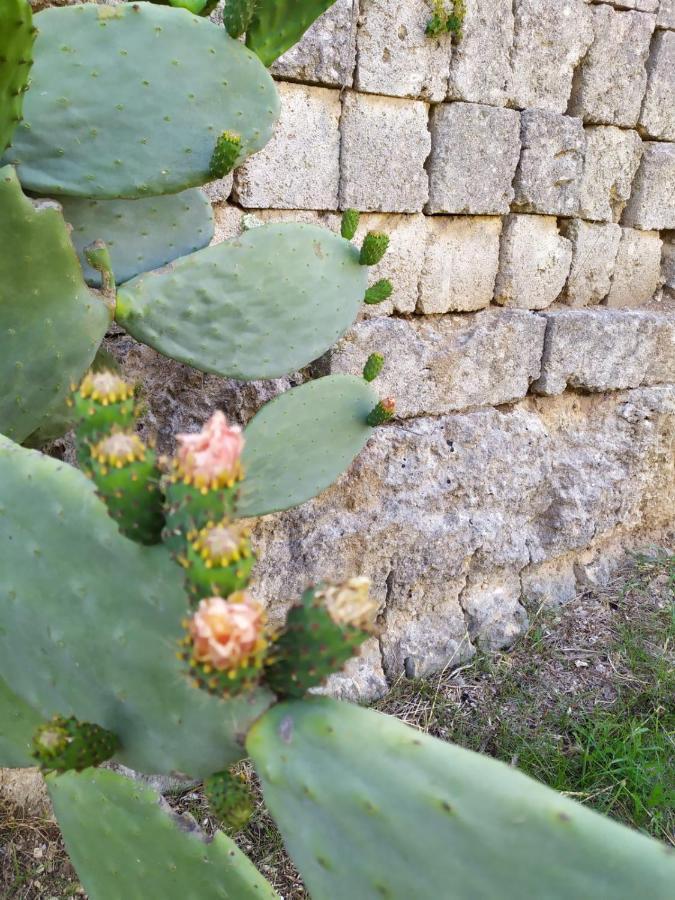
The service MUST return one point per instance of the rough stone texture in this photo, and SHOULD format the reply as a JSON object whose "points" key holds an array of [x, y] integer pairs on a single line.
{"points": [[595, 248], [299, 168], [395, 56], [460, 263], [649, 6], [551, 583], [551, 37], [666, 16], [445, 363], [611, 161], [480, 68], [327, 52], [534, 262], [610, 83], [26, 789], [606, 350], [219, 190], [475, 150], [652, 202], [551, 162], [385, 142], [637, 269], [657, 118], [668, 264]]}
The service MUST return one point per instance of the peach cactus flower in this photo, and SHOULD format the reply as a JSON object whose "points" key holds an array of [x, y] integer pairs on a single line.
{"points": [[212, 455], [226, 632]]}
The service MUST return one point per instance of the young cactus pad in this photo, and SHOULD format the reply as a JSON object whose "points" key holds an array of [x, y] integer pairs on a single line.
{"points": [[230, 799], [259, 306], [279, 24], [103, 72], [417, 817], [64, 745], [17, 36], [51, 323]]}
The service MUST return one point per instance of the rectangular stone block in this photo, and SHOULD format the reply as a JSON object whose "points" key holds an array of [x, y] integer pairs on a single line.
{"points": [[480, 68], [605, 350], [668, 264], [534, 262], [637, 269], [594, 252], [649, 6], [460, 263], [385, 143], [657, 119], [610, 83], [611, 161], [666, 16], [395, 56], [652, 201], [475, 151], [299, 168], [548, 178], [445, 363], [551, 37]]}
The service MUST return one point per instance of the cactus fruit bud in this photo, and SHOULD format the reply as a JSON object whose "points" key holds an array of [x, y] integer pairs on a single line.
{"points": [[383, 412], [374, 247], [373, 366], [230, 799], [102, 402], [218, 560], [225, 154], [349, 224], [378, 292], [64, 744], [349, 603]]}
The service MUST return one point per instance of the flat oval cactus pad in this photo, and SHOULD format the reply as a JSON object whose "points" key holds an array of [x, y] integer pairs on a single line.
{"points": [[17, 36]]}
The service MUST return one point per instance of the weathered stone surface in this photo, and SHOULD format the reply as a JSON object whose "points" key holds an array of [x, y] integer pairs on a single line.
{"points": [[385, 142], [445, 363], [326, 54], [461, 258], [551, 37], [362, 679], [534, 262], [475, 151], [548, 178], [299, 168], [395, 56], [551, 583], [606, 350], [657, 119], [637, 269], [649, 6], [610, 83], [595, 247], [493, 610], [666, 16], [480, 68], [668, 263], [219, 190], [26, 789], [611, 161], [652, 201]]}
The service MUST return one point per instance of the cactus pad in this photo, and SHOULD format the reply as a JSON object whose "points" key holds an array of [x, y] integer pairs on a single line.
{"points": [[17, 36], [125, 841], [373, 248], [230, 799], [260, 306], [140, 234], [278, 24], [300, 442], [237, 15], [226, 154], [382, 413], [373, 366], [218, 560], [18, 721], [379, 292], [51, 323], [349, 223], [64, 745], [100, 71]]}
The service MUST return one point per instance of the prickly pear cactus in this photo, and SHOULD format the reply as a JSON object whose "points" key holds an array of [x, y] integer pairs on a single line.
{"points": [[278, 24], [64, 745], [18, 723], [17, 36], [230, 799]]}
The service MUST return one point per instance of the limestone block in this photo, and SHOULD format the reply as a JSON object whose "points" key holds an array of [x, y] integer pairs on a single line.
{"points": [[475, 150], [220, 189], [551, 583], [657, 118], [649, 6], [480, 68], [460, 263], [637, 270], [436, 365], [385, 142], [394, 54], [326, 53], [668, 263], [299, 167], [612, 159], [493, 610], [534, 262], [666, 16], [551, 162], [652, 201], [551, 37], [610, 83], [362, 680], [606, 350], [595, 247]]}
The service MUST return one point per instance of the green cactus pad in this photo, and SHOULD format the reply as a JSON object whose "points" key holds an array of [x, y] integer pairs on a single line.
{"points": [[91, 623], [140, 234], [129, 101], [18, 721], [349, 223], [218, 561], [379, 292], [260, 306], [373, 248], [373, 366], [382, 413], [51, 323], [226, 154], [17, 36], [417, 817], [64, 745], [237, 15], [230, 799], [300, 442], [125, 841], [278, 24]]}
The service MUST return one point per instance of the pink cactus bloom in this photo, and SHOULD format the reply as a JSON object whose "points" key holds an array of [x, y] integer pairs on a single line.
{"points": [[226, 632], [213, 453]]}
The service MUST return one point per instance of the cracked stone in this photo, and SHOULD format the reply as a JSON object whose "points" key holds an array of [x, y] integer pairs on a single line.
{"points": [[594, 255], [652, 201], [657, 119], [612, 159], [637, 270]]}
